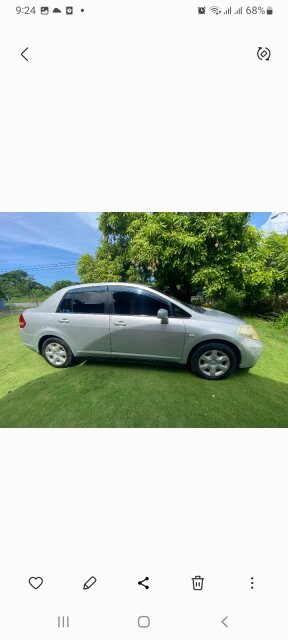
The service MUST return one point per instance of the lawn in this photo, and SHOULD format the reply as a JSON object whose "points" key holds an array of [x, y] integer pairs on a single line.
{"points": [[97, 394]]}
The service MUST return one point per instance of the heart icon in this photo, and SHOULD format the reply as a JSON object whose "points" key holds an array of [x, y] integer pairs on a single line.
{"points": [[35, 582]]}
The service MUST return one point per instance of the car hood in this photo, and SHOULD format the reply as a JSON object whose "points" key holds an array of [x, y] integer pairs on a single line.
{"points": [[220, 316]]}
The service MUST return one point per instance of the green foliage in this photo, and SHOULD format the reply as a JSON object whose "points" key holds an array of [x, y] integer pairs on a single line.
{"points": [[217, 253], [61, 284], [264, 267], [99, 269], [233, 301], [189, 251], [112, 261], [18, 284], [282, 321], [184, 251]]}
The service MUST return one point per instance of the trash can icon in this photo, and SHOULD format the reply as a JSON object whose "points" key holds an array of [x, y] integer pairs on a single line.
{"points": [[197, 583]]}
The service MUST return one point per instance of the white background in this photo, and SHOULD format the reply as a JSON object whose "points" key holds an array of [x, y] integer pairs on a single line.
{"points": [[125, 504], [143, 105]]}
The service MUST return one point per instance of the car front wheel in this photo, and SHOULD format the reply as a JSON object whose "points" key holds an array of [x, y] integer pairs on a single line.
{"points": [[57, 353], [213, 361]]}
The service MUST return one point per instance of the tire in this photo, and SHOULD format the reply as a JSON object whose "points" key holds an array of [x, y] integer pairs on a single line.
{"points": [[57, 353], [223, 361]]}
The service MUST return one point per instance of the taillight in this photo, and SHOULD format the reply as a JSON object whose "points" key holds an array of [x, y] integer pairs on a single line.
{"points": [[22, 322]]}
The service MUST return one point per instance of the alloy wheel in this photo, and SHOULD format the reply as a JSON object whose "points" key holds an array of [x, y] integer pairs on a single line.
{"points": [[56, 354], [214, 363]]}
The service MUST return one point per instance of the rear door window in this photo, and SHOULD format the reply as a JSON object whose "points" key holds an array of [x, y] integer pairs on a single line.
{"points": [[92, 300]]}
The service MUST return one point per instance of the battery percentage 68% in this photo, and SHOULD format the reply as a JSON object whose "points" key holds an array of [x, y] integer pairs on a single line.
{"points": [[255, 10]]}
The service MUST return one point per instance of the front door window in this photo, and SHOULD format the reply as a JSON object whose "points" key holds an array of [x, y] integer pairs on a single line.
{"points": [[137, 303]]}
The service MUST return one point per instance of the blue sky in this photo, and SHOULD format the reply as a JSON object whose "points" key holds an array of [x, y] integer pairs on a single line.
{"points": [[31, 239], [45, 239]]}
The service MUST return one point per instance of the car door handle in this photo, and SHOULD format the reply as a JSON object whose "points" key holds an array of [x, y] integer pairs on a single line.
{"points": [[64, 320], [120, 323]]}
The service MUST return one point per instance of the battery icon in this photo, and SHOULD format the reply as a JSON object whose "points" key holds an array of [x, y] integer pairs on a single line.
{"points": [[269, 11]]}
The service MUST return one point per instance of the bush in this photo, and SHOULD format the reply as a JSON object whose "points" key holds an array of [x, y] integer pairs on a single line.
{"points": [[232, 301], [268, 304], [282, 321]]}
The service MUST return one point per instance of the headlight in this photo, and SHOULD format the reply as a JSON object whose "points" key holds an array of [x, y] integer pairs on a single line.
{"points": [[248, 331]]}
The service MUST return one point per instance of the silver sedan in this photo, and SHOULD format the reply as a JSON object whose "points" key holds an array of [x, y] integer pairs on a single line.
{"points": [[124, 320]]}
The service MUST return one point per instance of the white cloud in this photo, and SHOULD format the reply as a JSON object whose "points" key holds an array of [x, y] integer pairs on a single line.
{"points": [[277, 222], [89, 219], [65, 231]]}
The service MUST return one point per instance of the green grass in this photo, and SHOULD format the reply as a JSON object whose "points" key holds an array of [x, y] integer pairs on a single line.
{"points": [[29, 298], [97, 394]]}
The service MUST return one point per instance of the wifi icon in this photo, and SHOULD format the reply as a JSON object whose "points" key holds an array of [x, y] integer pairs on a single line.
{"points": [[215, 10]]}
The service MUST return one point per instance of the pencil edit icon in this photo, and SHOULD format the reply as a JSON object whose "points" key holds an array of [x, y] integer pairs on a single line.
{"points": [[89, 583]]}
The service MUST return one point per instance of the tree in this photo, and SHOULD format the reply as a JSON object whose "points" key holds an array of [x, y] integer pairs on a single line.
{"points": [[181, 252], [61, 284], [263, 268], [18, 283], [218, 253], [275, 253], [112, 261], [189, 251]]}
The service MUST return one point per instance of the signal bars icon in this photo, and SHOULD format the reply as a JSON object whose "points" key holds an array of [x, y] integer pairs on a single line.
{"points": [[228, 11]]}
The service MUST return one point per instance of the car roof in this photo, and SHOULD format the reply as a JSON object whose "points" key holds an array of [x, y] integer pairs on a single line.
{"points": [[108, 284], [53, 301]]}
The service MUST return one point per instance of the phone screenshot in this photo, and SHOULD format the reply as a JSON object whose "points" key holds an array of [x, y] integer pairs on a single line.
{"points": [[143, 320]]}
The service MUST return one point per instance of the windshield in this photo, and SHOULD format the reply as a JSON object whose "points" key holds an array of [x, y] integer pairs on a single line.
{"points": [[194, 307]]}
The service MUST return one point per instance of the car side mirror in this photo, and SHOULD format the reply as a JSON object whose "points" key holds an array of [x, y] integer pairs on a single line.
{"points": [[162, 314]]}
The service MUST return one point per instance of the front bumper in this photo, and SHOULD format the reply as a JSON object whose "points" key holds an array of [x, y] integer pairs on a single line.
{"points": [[250, 352]]}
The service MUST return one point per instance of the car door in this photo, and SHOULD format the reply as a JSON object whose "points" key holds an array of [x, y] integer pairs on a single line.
{"points": [[82, 320], [135, 329]]}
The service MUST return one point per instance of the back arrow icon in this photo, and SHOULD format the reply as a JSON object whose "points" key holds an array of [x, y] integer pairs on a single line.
{"points": [[223, 622], [22, 54]]}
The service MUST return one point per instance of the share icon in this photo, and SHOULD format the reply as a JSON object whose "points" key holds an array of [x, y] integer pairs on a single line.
{"points": [[141, 582]]}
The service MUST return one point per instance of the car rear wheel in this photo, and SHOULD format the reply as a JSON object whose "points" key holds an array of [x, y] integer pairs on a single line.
{"points": [[57, 353], [213, 361]]}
